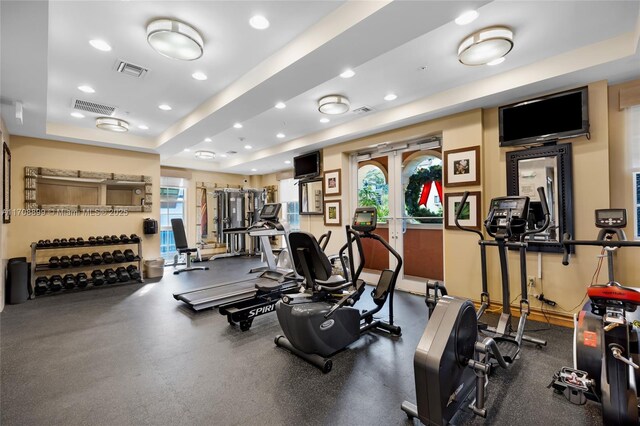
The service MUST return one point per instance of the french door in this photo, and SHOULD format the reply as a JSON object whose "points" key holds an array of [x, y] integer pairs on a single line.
{"points": [[405, 186]]}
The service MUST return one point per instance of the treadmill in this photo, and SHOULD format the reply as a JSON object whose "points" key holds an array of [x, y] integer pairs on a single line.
{"points": [[271, 276]]}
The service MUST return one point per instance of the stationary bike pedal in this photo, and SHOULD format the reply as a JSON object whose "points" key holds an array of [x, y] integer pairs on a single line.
{"points": [[573, 384]]}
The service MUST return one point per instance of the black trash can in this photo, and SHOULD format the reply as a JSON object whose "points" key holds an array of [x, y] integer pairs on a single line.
{"points": [[17, 283]]}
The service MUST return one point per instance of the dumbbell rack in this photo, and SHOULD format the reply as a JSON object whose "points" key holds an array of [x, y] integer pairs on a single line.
{"points": [[43, 268]]}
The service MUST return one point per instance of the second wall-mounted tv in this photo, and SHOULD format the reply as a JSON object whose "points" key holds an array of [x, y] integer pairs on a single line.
{"points": [[307, 166], [557, 116]]}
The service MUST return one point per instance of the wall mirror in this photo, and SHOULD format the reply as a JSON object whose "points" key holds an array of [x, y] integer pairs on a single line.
{"points": [[549, 167], [311, 196], [77, 190]]}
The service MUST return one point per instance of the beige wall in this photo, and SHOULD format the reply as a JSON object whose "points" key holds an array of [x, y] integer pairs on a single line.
{"points": [[46, 153], [622, 165], [4, 228]]}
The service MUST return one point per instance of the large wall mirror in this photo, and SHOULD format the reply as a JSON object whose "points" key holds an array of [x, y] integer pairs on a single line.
{"points": [[77, 190], [311, 197], [549, 167]]}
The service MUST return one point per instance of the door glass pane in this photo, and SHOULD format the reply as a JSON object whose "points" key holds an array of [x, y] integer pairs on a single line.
{"points": [[373, 191], [172, 205]]}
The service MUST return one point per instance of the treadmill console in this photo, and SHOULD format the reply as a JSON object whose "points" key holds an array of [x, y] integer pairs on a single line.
{"points": [[508, 215], [365, 219], [611, 218], [270, 212]]}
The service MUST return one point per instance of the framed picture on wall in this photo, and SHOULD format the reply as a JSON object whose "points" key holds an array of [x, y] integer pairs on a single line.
{"points": [[332, 213], [332, 183], [462, 167], [470, 216], [6, 181]]}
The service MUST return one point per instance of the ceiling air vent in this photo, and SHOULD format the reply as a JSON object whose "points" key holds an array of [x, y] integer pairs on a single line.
{"points": [[363, 110], [93, 107], [130, 69]]}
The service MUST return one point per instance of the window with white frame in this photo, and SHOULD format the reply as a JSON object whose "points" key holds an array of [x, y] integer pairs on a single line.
{"points": [[172, 206], [289, 198], [634, 146]]}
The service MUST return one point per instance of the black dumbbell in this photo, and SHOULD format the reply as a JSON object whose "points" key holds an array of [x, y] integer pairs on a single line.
{"points": [[110, 276], [72, 241], [76, 260], [40, 244], [55, 283], [81, 280], [86, 259], [69, 281], [47, 243], [64, 242], [79, 241], [54, 262], [42, 284], [97, 277], [118, 256], [124, 238], [129, 255], [133, 272], [107, 257], [99, 240], [55, 242], [65, 261], [115, 239], [107, 239], [92, 241], [134, 238], [122, 274], [96, 259]]}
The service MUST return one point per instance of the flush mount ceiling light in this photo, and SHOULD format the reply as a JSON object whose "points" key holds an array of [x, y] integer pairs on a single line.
{"points": [[333, 105], [205, 155], [175, 40], [112, 124], [485, 46]]}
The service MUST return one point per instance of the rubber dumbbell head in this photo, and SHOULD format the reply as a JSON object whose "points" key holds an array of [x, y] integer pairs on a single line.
{"points": [[65, 261], [133, 272], [86, 259], [81, 280], [92, 241], [107, 239], [110, 276], [129, 255], [64, 242], [107, 257], [122, 274], [76, 260], [96, 259], [72, 241], [97, 277], [47, 243], [54, 262], [55, 242], [118, 256], [69, 281], [124, 238], [79, 241], [41, 286], [40, 244], [55, 283], [115, 239], [134, 238], [99, 240]]}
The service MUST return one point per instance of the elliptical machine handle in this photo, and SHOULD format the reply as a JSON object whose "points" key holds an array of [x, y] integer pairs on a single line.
{"points": [[459, 212], [324, 240], [545, 211], [566, 242]]}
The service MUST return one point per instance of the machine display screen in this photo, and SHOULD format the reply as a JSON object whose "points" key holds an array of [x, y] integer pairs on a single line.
{"points": [[610, 214], [364, 219], [508, 205], [270, 211]]}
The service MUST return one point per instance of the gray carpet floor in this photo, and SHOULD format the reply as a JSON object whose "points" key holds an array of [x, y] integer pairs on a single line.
{"points": [[131, 354]]}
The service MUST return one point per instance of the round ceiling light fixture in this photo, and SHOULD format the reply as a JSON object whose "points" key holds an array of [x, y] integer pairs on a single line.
{"points": [[205, 155], [112, 124], [485, 46], [175, 40], [333, 105]]}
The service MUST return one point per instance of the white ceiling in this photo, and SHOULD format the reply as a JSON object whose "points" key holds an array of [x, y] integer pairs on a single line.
{"points": [[46, 55]]}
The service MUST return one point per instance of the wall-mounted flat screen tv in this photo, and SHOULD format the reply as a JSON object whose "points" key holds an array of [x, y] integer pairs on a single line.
{"points": [[307, 166], [557, 116]]}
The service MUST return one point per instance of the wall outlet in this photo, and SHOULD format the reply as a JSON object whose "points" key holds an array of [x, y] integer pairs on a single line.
{"points": [[531, 281]]}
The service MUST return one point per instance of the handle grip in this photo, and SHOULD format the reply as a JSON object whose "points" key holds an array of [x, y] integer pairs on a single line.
{"points": [[567, 251], [543, 200]]}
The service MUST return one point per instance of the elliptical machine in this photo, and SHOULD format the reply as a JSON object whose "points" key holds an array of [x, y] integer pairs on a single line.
{"points": [[322, 321], [452, 359], [605, 346]]}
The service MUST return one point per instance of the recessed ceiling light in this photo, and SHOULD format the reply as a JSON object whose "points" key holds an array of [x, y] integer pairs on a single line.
{"points": [[280, 135], [175, 40], [281, 105], [348, 73], [165, 107], [100, 45], [259, 22], [237, 126], [467, 17], [496, 61], [207, 139], [287, 161], [199, 76], [86, 89], [254, 170], [187, 150], [324, 120], [248, 147], [391, 97], [112, 124], [333, 104], [205, 155], [143, 127], [77, 114], [485, 45], [223, 155]]}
